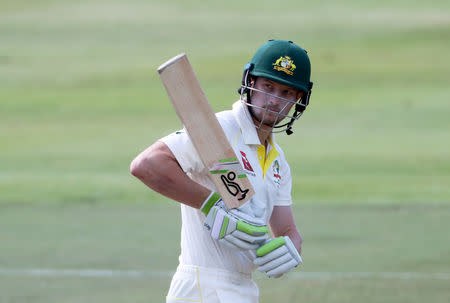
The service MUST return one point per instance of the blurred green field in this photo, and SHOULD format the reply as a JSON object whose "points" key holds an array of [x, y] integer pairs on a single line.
{"points": [[80, 97]]}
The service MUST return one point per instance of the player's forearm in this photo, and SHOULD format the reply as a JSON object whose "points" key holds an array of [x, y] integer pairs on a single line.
{"points": [[282, 224], [158, 169]]}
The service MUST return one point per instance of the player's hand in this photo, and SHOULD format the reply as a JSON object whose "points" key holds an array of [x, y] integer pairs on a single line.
{"points": [[277, 256], [232, 227]]}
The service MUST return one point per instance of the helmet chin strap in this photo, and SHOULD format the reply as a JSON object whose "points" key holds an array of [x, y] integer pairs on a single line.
{"points": [[297, 114]]}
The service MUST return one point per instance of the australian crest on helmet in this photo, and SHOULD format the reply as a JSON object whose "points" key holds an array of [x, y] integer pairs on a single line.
{"points": [[285, 64]]}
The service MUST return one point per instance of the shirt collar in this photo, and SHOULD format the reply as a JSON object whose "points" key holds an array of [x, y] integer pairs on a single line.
{"points": [[243, 118]]}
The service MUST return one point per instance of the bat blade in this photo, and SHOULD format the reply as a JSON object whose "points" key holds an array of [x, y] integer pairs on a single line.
{"points": [[205, 132]]}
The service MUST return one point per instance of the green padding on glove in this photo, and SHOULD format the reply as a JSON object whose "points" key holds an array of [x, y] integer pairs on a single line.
{"points": [[251, 229], [271, 246], [224, 227], [213, 199]]}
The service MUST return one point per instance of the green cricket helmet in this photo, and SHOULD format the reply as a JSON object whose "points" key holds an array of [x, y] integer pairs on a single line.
{"points": [[284, 62]]}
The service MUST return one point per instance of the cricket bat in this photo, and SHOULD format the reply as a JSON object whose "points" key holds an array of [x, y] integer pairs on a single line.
{"points": [[205, 132]]}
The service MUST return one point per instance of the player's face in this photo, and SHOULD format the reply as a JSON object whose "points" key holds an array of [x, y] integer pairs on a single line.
{"points": [[272, 101]]}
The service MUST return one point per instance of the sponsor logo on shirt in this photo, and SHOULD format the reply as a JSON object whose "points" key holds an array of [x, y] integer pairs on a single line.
{"points": [[247, 166]]}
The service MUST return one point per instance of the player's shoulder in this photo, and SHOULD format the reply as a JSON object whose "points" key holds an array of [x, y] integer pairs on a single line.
{"points": [[225, 114], [228, 123], [227, 120]]}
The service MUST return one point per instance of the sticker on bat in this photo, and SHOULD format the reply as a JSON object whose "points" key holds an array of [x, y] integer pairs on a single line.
{"points": [[232, 187], [228, 168], [228, 164]]}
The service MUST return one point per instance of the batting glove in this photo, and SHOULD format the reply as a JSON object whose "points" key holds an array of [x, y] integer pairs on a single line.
{"points": [[277, 257], [233, 227]]}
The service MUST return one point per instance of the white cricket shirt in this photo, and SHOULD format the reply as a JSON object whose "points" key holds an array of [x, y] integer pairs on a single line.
{"points": [[268, 172]]}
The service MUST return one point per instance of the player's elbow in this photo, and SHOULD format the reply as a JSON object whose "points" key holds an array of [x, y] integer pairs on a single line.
{"points": [[135, 167], [148, 165], [144, 168], [154, 166]]}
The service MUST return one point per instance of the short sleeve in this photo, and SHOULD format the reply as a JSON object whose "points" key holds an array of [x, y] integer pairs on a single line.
{"points": [[284, 197], [184, 151]]}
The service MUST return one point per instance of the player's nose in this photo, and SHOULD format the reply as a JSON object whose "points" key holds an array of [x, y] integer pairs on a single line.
{"points": [[275, 99]]}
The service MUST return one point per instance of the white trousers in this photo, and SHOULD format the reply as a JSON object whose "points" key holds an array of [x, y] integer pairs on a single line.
{"points": [[210, 285]]}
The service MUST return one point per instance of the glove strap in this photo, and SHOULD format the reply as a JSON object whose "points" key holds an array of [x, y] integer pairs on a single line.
{"points": [[212, 199]]}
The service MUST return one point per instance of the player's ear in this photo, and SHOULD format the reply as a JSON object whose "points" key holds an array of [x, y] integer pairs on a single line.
{"points": [[251, 82], [300, 94]]}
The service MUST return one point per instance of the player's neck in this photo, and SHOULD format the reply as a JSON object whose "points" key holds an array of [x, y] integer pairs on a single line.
{"points": [[263, 137]]}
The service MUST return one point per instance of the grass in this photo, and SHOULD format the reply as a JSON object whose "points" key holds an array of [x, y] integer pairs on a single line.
{"points": [[124, 237], [80, 97]]}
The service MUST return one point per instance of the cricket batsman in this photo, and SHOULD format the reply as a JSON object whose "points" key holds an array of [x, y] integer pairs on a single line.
{"points": [[220, 247]]}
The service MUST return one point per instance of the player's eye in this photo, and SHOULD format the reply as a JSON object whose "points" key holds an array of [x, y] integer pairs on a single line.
{"points": [[288, 93]]}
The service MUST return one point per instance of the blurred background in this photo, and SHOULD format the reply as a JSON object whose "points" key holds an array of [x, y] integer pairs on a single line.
{"points": [[80, 98]]}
